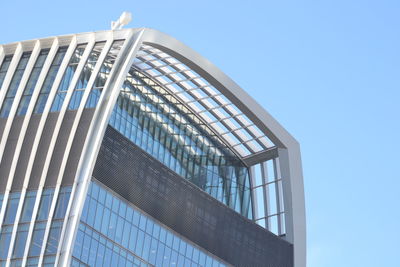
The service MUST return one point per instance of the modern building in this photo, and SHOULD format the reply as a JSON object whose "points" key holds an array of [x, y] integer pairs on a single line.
{"points": [[127, 148]]}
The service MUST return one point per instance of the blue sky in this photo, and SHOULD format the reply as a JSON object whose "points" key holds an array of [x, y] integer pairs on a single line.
{"points": [[328, 71]]}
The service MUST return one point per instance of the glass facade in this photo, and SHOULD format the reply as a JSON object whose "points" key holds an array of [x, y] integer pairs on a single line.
{"points": [[103, 74], [156, 121], [48, 83], [66, 80], [4, 68], [115, 233], [30, 86], [12, 89], [22, 226]]}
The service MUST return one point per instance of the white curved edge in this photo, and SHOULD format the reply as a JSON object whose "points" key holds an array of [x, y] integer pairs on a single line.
{"points": [[93, 141], [53, 140], [3, 91], [78, 115], [6, 132], [289, 155], [2, 55], [71, 47], [28, 115]]}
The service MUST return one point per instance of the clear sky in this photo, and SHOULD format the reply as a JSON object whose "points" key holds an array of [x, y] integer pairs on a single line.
{"points": [[328, 71]]}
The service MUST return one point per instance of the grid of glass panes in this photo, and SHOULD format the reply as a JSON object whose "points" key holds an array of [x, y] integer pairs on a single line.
{"points": [[15, 81], [267, 190], [115, 233], [24, 223], [48, 83], [157, 122], [103, 74], [85, 76], [30, 86], [4, 68], [68, 75], [232, 125]]}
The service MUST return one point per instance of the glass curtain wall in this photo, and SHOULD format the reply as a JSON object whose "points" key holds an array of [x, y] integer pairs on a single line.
{"points": [[4, 68], [156, 121], [113, 232], [12, 89], [35, 246]]}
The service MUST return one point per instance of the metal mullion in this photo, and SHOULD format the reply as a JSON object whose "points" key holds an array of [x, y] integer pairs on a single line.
{"points": [[204, 98], [275, 214], [156, 63], [245, 144], [173, 72], [24, 79], [171, 83], [40, 128], [2, 54], [149, 62], [237, 129], [7, 80], [264, 184], [156, 55], [270, 216], [223, 105], [74, 127], [151, 51], [266, 195], [277, 195], [253, 193]]}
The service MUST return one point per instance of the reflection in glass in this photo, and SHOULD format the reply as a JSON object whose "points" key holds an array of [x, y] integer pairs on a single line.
{"points": [[160, 124], [143, 240]]}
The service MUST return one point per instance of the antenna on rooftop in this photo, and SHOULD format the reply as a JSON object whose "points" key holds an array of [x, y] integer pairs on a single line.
{"points": [[123, 20]]}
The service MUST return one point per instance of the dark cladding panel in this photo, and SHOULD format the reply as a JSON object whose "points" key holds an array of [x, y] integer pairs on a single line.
{"points": [[180, 205], [59, 148], [27, 147], [42, 150], [9, 153], [77, 146]]}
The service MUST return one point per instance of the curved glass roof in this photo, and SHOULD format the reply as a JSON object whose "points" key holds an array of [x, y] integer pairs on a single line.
{"points": [[221, 116]]}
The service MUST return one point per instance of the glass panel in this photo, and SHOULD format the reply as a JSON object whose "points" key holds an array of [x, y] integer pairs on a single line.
{"points": [[4, 68], [12, 89], [30, 86], [5, 241], [12, 206], [28, 206], [54, 236], [48, 83], [37, 239], [103, 74], [20, 241], [85, 76], [66, 80], [42, 218]]}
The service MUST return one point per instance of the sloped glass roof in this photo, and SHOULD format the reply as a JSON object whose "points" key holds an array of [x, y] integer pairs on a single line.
{"points": [[223, 117]]}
